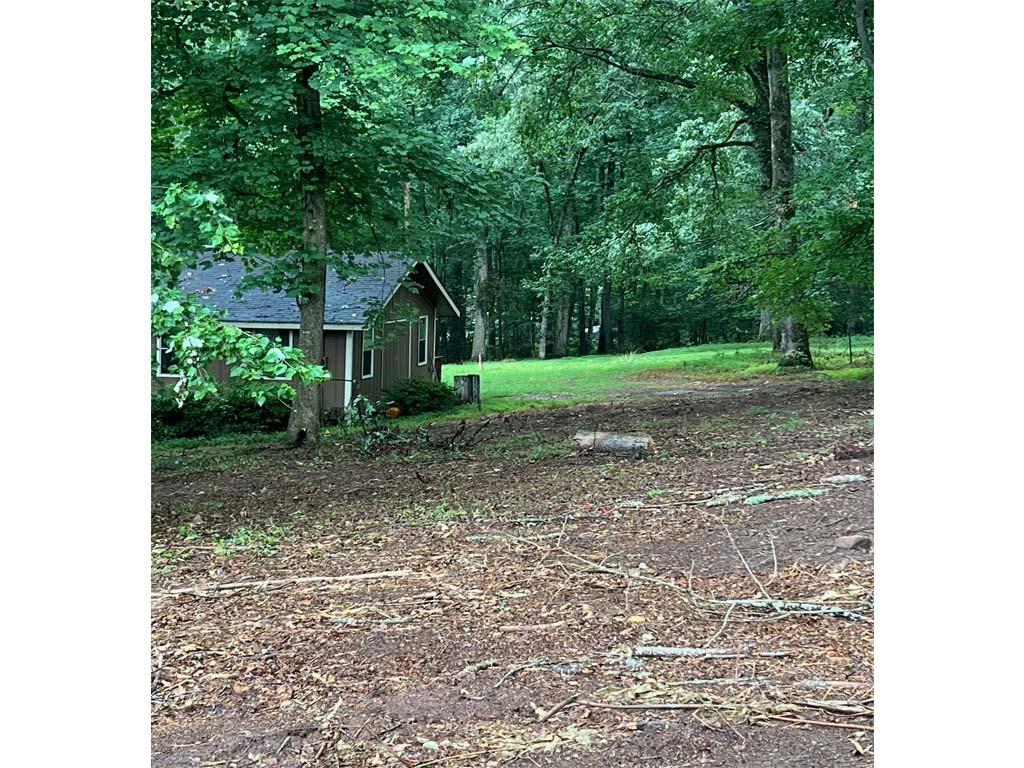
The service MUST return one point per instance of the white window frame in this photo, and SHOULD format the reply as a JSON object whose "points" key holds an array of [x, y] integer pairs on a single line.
{"points": [[362, 357], [423, 339], [160, 372]]}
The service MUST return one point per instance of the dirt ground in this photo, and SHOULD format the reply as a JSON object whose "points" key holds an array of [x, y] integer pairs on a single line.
{"points": [[500, 598]]}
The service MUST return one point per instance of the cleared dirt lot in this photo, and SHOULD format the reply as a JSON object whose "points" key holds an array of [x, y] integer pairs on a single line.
{"points": [[520, 578]]}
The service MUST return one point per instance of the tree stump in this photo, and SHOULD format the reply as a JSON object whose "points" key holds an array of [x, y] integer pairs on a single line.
{"points": [[467, 388], [610, 442]]}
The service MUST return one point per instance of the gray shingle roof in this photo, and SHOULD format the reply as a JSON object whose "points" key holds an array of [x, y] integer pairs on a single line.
{"points": [[347, 299]]}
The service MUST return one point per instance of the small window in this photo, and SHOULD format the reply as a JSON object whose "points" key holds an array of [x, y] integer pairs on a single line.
{"points": [[165, 358], [423, 337], [367, 369], [281, 335]]}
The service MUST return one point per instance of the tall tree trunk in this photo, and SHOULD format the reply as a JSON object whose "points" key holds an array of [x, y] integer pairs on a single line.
{"points": [[604, 339], [759, 118], [621, 334], [304, 420], [480, 312], [545, 311], [867, 48], [794, 344], [582, 319], [764, 328], [406, 203], [561, 328], [591, 308]]}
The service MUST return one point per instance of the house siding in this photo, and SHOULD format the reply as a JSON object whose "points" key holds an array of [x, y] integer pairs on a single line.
{"points": [[334, 360]]}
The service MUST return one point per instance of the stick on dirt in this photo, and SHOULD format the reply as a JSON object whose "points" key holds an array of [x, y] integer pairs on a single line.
{"points": [[558, 707], [705, 653], [270, 583]]}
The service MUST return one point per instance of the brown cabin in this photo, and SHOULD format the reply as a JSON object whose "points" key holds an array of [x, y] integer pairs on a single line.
{"points": [[407, 290]]}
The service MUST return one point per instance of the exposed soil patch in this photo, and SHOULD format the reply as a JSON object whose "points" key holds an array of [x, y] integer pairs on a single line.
{"points": [[523, 574]]}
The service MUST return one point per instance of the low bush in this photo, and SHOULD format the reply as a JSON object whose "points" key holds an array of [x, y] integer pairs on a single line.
{"points": [[414, 396], [231, 411]]}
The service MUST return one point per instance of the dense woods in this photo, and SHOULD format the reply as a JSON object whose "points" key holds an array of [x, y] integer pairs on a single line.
{"points": [[590, 177]]}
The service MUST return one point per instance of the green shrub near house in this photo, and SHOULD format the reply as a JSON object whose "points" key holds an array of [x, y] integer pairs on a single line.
{"points": [[413, 396], [231, 411]]}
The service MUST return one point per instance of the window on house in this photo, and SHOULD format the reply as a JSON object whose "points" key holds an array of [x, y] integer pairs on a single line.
{"points": [[282, 335], [367, 369], [165, 358], [423, 337]]}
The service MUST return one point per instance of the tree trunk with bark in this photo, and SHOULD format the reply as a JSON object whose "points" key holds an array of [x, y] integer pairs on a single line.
{"points": [[758, 117], [611, 442], [867, 47], [582, 318], [620, 335], [304, 420], [764, 328], [794, 343], [604, 339], [480, 305], [545, 311], [561, 344]]}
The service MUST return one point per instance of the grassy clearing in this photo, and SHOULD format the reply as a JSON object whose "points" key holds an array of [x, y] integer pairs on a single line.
{"points": [[515, 384]]}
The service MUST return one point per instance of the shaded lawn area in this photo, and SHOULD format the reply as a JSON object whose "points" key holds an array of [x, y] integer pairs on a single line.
{"points": [[510, 385]]}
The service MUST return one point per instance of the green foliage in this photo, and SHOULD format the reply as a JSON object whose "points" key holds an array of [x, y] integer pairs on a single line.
{"points": [[245, 539], [602, 152], [230, 411], [415, 396], [374, 432], [420, 514], [190, 227]]}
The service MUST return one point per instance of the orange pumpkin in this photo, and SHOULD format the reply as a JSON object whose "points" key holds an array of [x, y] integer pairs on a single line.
{"points": [[393, 413]]}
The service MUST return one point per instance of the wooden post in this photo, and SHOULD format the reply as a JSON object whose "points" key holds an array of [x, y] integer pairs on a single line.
{"points": [[468, 388]]}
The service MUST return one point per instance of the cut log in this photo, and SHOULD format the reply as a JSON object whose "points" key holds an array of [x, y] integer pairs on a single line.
{"points": [[610, 442]]}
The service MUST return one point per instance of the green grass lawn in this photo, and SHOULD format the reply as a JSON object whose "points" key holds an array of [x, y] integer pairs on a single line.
{"points": [[510, 385]]}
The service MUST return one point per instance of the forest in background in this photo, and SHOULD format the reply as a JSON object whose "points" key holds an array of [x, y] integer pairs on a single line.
{"points": [[585, 177]]}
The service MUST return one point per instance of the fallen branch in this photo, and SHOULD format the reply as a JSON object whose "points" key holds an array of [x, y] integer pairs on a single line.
{"points": [[601, 568], [515, 670], [558, 707], [799, 493], [531, 627], [479, 666], [704, 653], [273, 583], [691, 705], [839, 707], [743, 560], [694, 706], [790, 607], [801, 721]]}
